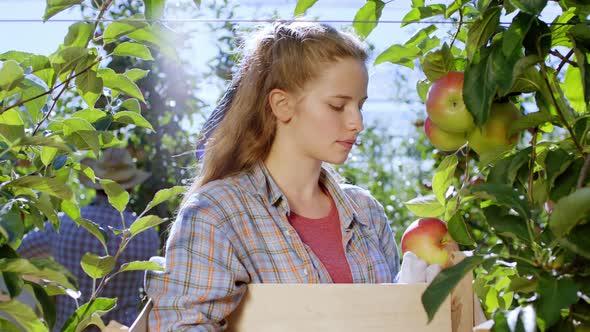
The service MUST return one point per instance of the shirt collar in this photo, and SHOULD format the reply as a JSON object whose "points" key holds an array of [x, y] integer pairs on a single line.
{"points": [[266, 187]]}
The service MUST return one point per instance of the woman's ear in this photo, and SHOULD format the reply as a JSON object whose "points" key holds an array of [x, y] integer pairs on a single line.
{"points": [[281, 104]]}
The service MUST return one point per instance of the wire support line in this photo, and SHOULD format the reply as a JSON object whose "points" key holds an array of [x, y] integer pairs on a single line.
{"points": [[210, 20]]}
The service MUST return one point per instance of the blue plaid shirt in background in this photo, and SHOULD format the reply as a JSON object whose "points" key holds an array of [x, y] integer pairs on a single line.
{"points": [[73, 242], [235, 231]]}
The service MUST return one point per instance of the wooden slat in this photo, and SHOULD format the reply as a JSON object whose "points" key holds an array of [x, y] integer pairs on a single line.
{"points": [[336, 307]]}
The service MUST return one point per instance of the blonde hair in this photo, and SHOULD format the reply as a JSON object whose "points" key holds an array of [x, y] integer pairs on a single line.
{"points": [[284, 56]]}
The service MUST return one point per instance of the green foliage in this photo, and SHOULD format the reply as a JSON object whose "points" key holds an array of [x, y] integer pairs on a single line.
{"points": [[526, 209], [103, 93]]}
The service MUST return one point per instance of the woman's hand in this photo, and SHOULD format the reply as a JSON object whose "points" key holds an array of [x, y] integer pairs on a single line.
{"points": [[415, 270]]}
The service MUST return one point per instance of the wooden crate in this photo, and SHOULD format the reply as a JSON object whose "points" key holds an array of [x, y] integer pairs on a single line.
{"points": [[336, 307]]}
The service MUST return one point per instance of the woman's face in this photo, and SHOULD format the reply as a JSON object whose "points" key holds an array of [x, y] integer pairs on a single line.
{"points": [[327, 117]]}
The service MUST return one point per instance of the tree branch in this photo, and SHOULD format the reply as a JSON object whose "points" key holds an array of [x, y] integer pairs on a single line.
{"points": [[564, 59], [584, 172]]}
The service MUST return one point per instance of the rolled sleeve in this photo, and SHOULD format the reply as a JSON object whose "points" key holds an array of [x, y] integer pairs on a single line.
{"points": [[203, 281]]}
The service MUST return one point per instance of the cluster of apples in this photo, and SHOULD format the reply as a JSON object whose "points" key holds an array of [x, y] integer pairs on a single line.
{"points": [[449, 125]]}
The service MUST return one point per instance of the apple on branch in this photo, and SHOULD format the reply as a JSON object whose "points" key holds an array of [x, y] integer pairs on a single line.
{"points": [[494, 135], [443, 140], [445, 106], [430, 240]]}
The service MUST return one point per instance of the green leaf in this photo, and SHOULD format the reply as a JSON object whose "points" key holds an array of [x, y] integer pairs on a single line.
{"points": [[164, 195], [569, 211], [46, 141], [154, 9], [94, 229], [67, 58], [12, 126], [82, 133], [55, 6], [557, 162], [571, 88], [459, 231], [141, 265], [27, 60], [442, 285], [198, 3], [145, 223], [443, 177], [8, 326], [41, 268], [530, 120], [504, 195], [118, 197], [482, 29], [456, 5], [554, 296], [120, 82], [132, 118], [135, 74], [88, 83], [43, 203], [579, 35], [47, 304], [559, 28], [131, 104], [438, 63], [516, 32], [370, 11], [506, 224], [44, 184], [533, 7], [71, 209], [133, 49], [23, 314], [420, 36], [79, 34], [400, 55], [425, 206], [97, 266], [506, 169], [35, 90], [12, 227], [11, 74], [302, 6], [121, 28], [538, 38], [479, 85], [99, 307], [417, 14], [577, 240]]}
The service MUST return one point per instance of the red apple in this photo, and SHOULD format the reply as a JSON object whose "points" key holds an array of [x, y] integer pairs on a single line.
{"points": [[445, 105], [443, 140], [494, 133], [430, 240]]}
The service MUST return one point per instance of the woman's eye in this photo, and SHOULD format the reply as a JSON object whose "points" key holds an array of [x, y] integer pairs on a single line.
{"points": [[337, 108]]}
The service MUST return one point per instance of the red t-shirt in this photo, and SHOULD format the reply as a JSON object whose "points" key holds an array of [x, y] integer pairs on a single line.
{"points": [[324, 237]]}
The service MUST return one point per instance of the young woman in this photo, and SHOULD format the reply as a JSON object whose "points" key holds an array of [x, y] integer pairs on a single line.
{"points": [[266, 207]]}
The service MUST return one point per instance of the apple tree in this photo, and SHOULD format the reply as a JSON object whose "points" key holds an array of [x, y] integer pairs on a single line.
{"points": [[522, 206], [54, 111]]}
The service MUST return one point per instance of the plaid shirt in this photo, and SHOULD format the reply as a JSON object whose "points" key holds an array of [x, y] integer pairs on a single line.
{"points": [[235, 231], [72, 242]]}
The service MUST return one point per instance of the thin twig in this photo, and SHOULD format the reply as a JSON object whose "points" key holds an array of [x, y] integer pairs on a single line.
{"points": [[458, 28], [564, 59], [532, 164]]}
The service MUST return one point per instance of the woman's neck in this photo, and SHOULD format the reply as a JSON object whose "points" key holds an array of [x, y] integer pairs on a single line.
{"points": [[299, 182]]}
